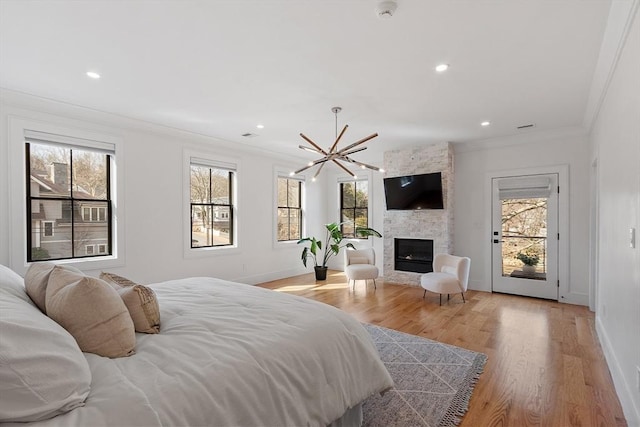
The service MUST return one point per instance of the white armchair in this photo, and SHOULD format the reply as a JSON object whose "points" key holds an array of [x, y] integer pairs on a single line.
{"points": [[359, 264], [450, 276]]}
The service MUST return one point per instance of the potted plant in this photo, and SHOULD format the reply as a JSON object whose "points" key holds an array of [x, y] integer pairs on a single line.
{"points": [[333, 244], [529, 260]]}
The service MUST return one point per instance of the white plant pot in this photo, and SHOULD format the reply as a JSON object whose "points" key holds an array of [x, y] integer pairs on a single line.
{"points": [[528, 269]]}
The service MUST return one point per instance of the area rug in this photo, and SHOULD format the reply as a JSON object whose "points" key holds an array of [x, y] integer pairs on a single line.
{"points": [[433, 381]]}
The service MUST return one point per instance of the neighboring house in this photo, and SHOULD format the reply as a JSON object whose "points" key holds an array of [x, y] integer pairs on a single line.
{"points": [[52, 217]]}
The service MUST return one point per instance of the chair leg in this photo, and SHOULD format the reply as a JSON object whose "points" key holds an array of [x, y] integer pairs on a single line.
{"points": [[447, 297], [440, 299], [463, 300], [374, 284], [424, 294]]}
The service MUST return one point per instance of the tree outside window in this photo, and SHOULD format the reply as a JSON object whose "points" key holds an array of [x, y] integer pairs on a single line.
{"points": [[289, 209], [354, 206]]}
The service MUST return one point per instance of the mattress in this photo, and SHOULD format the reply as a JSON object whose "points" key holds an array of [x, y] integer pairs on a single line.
{"points": [[230, 354]]}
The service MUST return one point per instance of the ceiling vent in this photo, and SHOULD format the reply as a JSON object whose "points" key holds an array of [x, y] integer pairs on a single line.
{"points": [[530, 125], [249, 135]]}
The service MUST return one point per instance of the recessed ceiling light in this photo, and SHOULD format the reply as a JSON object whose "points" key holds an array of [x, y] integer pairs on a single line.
{"points": [[486, 123], [93, 75], [442, 68], [260, 126]]}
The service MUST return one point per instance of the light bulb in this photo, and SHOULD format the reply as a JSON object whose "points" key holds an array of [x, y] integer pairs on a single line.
{"points": [[313, 179], [291, 173], [381, 170], [310, 164]]}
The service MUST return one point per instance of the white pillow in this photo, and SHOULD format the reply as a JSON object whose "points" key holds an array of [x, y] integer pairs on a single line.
{"points": [[43, 373], [450, 270]]}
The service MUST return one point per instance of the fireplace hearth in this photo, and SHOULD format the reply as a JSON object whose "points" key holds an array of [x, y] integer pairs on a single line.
{"points": [[414, 255]]}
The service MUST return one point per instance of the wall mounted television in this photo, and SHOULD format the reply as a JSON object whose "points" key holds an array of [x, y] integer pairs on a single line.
{"points": [[414, 192]]}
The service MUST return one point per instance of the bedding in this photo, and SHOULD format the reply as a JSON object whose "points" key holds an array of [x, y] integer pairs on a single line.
{"points": [[230, 354]]}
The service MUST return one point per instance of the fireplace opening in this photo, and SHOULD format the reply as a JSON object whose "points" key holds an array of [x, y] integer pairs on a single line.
{"points": [[414, 255]]}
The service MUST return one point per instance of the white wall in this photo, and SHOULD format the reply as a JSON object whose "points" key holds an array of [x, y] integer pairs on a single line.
{"points": [[616, 141], [474, 164], [153, 198]]}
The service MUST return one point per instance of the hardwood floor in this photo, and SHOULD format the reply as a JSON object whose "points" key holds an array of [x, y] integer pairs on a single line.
{"points": [[545, 367]]}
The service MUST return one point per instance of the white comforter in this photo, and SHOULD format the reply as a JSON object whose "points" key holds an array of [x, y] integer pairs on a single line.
{"points": [[234, 355]]}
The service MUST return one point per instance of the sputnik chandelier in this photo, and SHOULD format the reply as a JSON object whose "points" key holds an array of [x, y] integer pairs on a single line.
{"points": [[335, 155]]}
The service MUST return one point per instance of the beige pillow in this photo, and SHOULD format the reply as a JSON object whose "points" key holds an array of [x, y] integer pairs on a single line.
{"points": [[140, 300], [36, 279], [358, 260], [92, 311]]}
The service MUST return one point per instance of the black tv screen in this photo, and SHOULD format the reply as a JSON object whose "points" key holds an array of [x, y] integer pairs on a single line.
{"points": [[414, 192]]}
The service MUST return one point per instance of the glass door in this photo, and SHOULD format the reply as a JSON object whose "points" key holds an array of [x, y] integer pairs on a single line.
{"points": [[525, 235]]}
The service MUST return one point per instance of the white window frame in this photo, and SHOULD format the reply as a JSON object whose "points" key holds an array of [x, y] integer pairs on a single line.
{"points": [[215, 160], [362, 176], [281, 172], [19, 127]]}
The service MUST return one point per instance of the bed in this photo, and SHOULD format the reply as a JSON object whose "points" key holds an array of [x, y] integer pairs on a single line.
{"points": [[227, 354]]}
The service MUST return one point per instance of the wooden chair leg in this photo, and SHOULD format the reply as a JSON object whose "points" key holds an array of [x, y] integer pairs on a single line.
{"points": [[440, 299], [374, 284], [424, 294], [463, 300]]}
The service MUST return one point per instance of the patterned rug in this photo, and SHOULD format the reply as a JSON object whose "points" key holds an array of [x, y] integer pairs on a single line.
{"points": [[433, 381]]}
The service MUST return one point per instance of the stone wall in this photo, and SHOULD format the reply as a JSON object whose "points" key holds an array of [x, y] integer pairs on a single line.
{"points": [[436, 224]]}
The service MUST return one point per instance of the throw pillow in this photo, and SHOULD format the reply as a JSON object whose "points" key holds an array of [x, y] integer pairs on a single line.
{"points": [[92, 311], [43, 373], [140, 300], [358, 260], [36, 279]]}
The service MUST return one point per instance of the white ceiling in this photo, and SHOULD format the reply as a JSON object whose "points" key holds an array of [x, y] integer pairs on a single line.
{"points": [[219, 68]]}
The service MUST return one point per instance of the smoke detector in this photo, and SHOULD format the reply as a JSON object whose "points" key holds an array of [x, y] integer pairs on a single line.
{"points": [[386, 9]]}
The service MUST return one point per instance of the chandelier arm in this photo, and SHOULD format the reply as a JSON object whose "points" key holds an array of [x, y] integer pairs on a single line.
{"points": [[349, 159], [363, 140], [357, 150], [312, 150], [316, 146], [345, 169], [335, 144], [318, 171], [303, 169]]}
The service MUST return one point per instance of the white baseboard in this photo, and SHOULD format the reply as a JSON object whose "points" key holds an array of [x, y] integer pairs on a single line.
{"points": [[274, 275], [623, 388], [479, 285]]}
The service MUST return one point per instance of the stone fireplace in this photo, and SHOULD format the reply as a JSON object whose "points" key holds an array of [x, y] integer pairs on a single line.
{"points": [[435, 225]]}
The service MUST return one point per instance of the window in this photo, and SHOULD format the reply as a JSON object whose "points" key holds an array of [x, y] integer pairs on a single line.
{"points": [[289, 209], [70, 186], [354, 206], [47, 228], [212, 205]]}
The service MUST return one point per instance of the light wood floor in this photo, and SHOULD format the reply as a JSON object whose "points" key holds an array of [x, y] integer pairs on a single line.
{"points": [[545, 367]]}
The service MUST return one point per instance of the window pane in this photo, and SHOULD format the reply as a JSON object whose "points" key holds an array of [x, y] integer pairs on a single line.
{"points": [[89, 233], [294, 194], [283, 224], [362, 194], [361, 218], [347, 222], [200, 225], [221, 226], [49, 170], [89, 175], [50, 247], [348, 191], [199, 184], [220, 187], [282, 192], [294, 224]]}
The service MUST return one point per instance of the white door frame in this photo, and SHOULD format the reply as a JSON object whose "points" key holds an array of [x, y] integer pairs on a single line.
{"points": [[563, 220]]}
